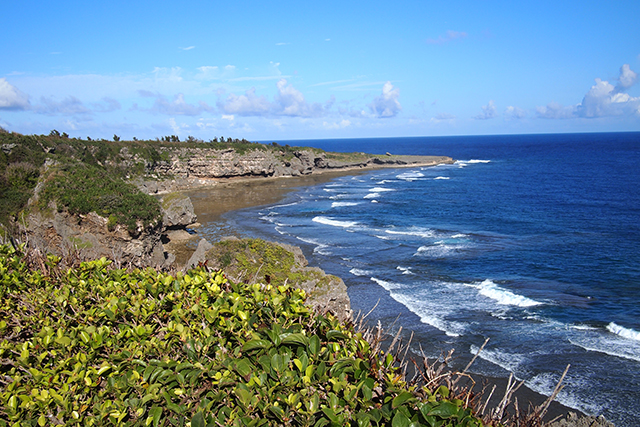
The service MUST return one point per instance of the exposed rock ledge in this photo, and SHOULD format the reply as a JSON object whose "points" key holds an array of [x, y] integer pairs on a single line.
{"points": [[189, 168], [256, 260], [89, 236]]}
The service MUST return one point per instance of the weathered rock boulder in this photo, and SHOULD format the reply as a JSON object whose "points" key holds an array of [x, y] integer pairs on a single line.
{"points": [[260, 261], [177, 210], [89, 237], [574, 420]]}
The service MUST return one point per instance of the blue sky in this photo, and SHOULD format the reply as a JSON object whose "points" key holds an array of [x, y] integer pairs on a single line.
{"points": [[277, 70]]}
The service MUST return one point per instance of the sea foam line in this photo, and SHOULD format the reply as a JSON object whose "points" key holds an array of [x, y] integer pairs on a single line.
{"points": [[333, 222], [504, 296], [340, 204], [623, 332]]}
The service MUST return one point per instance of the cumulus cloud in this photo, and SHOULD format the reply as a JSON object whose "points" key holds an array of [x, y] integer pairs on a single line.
{"points": [[11, 98], [248, 104], [553, 110], [288, 101], [178, 106], [488, 112], [602, 100], [627, 78], [386, 105], [512, 112], [449, 36]]}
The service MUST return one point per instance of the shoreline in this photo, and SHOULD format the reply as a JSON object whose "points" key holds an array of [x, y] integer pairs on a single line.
{"points": [[212, 202]]}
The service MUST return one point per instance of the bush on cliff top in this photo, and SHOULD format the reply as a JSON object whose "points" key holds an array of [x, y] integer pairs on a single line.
{"points": [[94, 345], [84, 188]]}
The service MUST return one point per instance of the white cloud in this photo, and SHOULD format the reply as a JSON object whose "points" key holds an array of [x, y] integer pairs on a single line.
{"points": [[288, 101], [248, 104], [604, 99], [188, 48], [627, 78], [336, 125], [11, 98], [442, 117], [386, 105], [488, 112], [449, 36], [512, 112], [553, 110], [178, 106]]}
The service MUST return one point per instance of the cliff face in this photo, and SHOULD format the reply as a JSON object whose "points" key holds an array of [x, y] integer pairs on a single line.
{"points": [[90, 236], [208, 163]]}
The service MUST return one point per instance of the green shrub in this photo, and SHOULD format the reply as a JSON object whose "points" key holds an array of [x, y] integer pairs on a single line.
{"points": [[100, 346], [83, 188]]}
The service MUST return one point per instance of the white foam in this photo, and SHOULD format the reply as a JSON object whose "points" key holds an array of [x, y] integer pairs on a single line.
{"points": [[458, 236], [374, 201], [428, 315], [320, 248], [627, 333], [329, 190], [380, 189], [472, 161], [438, 250], [504, 296], [282, 206], [359, 272], [340, 204], [615, 346], [339, 196], [387, 285], [507, 361], [372, 196], [333, 222], [410, 176], [441, 177], [405, 270], [546, 382], [419, 232]]}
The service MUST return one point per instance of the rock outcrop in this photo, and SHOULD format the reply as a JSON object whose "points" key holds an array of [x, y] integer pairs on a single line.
{"points": [[89, 237], [255, 260], [192, 167]]}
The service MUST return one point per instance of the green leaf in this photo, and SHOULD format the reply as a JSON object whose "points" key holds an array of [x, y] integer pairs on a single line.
{"points": [[400, 420], [314, 345], [155, 413], [336, 335], [296, 339], [255, 345], [445, 410], [400, 399]]}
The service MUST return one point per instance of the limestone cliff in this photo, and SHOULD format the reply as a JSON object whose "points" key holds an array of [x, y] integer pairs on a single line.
{"points": [[188, 167]]}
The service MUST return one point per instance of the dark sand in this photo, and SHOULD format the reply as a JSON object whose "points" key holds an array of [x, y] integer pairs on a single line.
{"points": [[229, 195]]}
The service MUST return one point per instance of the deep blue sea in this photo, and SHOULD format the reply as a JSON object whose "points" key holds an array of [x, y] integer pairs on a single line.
{"points": [[532, 241]]}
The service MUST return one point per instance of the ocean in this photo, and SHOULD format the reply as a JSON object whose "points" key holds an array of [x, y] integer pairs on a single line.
{"points": [[532, 241]]}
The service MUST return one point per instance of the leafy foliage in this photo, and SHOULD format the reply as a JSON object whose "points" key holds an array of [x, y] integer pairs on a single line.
{"points": [[84, 188], [99, 346]]}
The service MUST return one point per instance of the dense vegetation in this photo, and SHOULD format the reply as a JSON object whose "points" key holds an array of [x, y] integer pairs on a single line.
{"points": [[98, 166], [84, 188], [94, 345]]}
